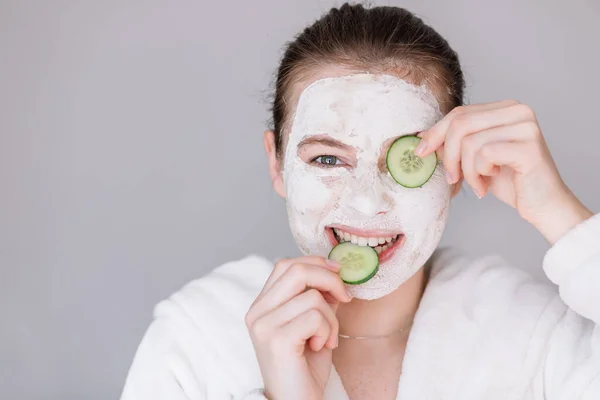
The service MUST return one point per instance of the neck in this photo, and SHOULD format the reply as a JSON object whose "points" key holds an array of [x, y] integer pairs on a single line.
{"points": [[386, 315]]}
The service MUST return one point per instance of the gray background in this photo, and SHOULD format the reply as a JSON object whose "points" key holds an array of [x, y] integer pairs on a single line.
{"points": [[131, 157]]}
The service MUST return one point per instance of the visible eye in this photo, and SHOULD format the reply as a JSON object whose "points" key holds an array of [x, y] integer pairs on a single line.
{"points": [[327, 161]]}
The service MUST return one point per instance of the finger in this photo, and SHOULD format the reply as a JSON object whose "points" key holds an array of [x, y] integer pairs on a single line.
{"points": [[332, 342], [309, 325], [311, 299], [283, 265], [515, 155], [433, 138], [440, 157], [485, 167], [486, 181], [280, 268], [329, 299], [468, 124], [469, 148], [295, 280], [468, 170]]}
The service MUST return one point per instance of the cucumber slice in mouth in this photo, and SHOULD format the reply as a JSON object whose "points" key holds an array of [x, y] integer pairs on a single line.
{"points": [[405, 166], [359, 263]]}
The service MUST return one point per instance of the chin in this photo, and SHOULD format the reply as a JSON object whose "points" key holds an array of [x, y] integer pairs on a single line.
{"points": [[402, 257], [390, 276], [401, 253]]}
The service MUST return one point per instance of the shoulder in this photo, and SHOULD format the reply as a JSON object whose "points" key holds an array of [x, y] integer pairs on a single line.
{"points": [[489, 289], [205, 326], [491, 275], [227, 290], [198, 342], [479, 309], [482, 310]]}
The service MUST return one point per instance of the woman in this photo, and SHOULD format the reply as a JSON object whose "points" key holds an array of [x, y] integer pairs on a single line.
{"points": [[428, 325]]}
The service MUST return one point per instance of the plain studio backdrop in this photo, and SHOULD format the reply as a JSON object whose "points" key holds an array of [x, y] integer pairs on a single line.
{"points": [[131, 157]]}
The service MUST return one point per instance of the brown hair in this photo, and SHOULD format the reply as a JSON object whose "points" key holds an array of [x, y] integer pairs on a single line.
{"points": [[374, 39]]}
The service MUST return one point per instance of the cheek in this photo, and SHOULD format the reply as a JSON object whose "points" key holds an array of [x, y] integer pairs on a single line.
{"points": [[310, 200], [443, 212], [308, 194], [422, 207], [311, 195]]}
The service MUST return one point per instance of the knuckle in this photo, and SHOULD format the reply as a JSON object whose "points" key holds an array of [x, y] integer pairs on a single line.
{"points": [[314, 317], [486, 151], [249, 319], [458, 110], [282, 261], [526, 111], [256, 329], [458, 123], [281, 264], [259, 330], [298, 270], [531, 129], [314, 297]]}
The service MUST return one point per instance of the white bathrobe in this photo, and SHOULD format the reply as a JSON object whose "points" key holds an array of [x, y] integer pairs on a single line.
{"points": [[484, 330]]}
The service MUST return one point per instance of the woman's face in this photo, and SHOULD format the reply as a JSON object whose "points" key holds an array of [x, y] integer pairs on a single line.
{"points": [[336, 182]]}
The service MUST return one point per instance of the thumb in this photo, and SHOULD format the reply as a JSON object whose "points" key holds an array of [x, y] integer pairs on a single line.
{"points": [[334, 306]]}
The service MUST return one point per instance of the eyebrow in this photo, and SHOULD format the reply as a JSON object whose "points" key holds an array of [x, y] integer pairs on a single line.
{"points": [[324, 140]]}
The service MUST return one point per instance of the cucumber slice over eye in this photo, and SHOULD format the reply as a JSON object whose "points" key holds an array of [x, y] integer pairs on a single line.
{"points": [[359, 263], [405, 166]]}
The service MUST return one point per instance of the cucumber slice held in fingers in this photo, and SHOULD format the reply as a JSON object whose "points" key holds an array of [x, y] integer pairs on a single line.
{"points": [[359, 263], [405, 166]]}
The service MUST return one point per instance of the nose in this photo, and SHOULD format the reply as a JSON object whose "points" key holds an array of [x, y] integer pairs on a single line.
{"points": [[369, 197]]}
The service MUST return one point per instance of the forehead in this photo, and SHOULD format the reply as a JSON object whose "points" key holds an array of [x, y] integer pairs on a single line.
{"points": [[374, 104]]}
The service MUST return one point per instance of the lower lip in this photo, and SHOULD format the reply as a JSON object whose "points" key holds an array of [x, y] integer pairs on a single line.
{"points": [[383, 256]]}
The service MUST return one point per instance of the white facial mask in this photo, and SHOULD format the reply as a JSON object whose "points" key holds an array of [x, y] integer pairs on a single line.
{"points": [[363, 111]]}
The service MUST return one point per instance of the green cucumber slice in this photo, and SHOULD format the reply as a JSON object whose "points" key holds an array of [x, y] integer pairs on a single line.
{"points": [[359, 263], [405, 166]]}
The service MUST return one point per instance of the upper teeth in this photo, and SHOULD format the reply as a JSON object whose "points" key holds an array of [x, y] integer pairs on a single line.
{"points": [[363, 241]]}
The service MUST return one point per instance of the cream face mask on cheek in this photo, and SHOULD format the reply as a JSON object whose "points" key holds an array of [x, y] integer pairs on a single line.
{"points": [[361, 202]]}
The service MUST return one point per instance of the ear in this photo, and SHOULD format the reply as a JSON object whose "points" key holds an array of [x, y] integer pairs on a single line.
{"points": [[274, 169]]}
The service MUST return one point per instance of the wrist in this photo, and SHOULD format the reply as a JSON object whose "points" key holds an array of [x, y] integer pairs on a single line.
{"points": [[560, 216]]}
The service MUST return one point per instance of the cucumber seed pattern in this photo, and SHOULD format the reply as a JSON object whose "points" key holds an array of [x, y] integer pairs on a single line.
{"points": [[353, 261], [410, 162]]}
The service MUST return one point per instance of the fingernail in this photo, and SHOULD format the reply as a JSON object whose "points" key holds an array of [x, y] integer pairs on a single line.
{"points": [[333, 263], [479, 196], [421, 147], [330, 345], [449, 177], [337, 342], [349, 294]]}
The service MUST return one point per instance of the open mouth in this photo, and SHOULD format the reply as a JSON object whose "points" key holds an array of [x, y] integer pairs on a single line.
{"points": [[385, 244]]}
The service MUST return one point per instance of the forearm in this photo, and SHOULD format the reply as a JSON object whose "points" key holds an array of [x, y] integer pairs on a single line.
{"points": [[561, 216]]}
